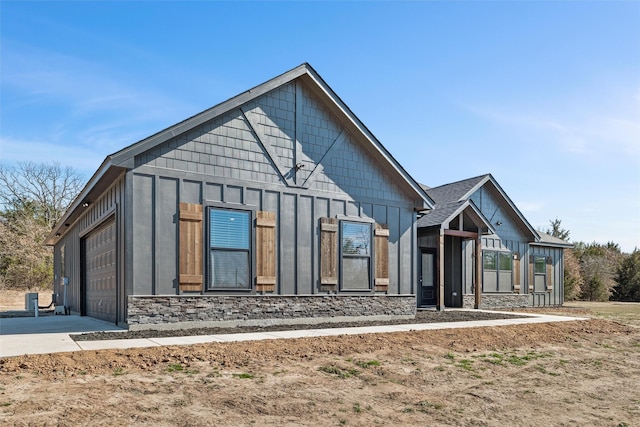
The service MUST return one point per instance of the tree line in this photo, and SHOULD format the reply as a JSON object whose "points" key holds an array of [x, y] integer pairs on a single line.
{"points": [[598, 272], [32, 199]]}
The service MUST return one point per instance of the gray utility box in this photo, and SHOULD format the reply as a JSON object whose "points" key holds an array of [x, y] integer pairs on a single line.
{"points": [[30, 300]]}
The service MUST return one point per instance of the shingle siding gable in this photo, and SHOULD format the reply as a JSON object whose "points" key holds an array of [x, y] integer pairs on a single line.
{"points": [[496, 212], [231, 146]]}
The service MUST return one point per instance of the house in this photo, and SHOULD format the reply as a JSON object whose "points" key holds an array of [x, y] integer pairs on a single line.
{"points": [[478, 250], [277, 205]]}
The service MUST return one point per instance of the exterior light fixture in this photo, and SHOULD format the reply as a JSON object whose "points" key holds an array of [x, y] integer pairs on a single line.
{"points": [[498, 223], [86, 204]]}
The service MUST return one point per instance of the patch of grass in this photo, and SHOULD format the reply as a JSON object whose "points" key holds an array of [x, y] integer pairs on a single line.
{"points": [[356, 408], [338, 371], [118, 371], [365, 365], [407, 410], [544, 371], [516, 360], [19, 377], [495, 358], [342, 421], [465, 364], [4, 404], [244, 376], [177, 367], [449, 356]]}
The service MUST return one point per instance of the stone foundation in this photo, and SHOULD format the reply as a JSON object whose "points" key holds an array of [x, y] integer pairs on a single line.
{"points": [[176, 312], [491, 301]]}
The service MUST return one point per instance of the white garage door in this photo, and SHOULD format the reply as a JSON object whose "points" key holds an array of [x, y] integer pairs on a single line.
{"points": [[100, 272]]}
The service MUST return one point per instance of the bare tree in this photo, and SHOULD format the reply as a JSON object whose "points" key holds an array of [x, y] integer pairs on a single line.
{"points": [[32, 198], [44, 189]]}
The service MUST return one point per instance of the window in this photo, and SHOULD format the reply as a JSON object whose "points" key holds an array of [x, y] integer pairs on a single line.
{"points": [[497, 271], [539, 265], [489, 260], [540, 273], [355, 245], [505, 263], [229, 249]]}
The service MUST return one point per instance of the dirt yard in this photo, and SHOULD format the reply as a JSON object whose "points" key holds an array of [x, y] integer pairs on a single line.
{"points": [[562, 374]]}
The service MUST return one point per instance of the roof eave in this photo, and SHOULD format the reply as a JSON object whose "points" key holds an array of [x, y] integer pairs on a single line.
{"points": [[58, 230]]}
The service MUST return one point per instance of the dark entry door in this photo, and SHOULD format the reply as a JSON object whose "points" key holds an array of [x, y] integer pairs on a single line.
{"points": [[427, 278]]}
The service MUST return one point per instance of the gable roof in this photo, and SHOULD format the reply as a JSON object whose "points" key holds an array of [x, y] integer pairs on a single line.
{"points": [[117, 163], [455, 191], [444, 213], [461, 191], [549, 240]]}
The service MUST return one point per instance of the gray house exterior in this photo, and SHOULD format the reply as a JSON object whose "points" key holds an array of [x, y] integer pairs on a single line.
{"points": [[477, 250], [277, 205]]}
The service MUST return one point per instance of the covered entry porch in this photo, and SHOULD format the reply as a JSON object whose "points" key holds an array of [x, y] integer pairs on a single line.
{"points": [[447, 236]]}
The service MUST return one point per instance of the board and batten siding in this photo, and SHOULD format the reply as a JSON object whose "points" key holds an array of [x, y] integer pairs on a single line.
{"points": [[247, 159], [297, 231], [110, 204]]}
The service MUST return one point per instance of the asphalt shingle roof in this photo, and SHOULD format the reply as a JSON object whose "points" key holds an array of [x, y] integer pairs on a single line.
{"points": [[455, 191]]}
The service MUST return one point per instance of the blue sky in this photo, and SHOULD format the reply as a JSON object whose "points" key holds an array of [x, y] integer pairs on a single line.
{"points": [[544, 95]]}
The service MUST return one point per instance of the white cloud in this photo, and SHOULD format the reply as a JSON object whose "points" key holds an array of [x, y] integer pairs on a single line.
{"points": [[74, 105], [607, 123]]}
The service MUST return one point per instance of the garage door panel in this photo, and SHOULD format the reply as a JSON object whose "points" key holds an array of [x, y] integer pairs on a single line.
{"points": [[100, 273]]}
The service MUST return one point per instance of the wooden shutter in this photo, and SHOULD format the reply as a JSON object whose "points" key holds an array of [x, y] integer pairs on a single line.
{"points": [[516, 273], [381, 236], [531, 275], [328, 254], [549, 278], [265, 251], [190, 247]]}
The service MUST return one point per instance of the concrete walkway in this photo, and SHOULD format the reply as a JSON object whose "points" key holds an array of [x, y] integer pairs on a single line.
{"points": [[51, 334]]}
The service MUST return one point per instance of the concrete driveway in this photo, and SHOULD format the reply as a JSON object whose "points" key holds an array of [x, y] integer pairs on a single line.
{"points": [[46, 334]]}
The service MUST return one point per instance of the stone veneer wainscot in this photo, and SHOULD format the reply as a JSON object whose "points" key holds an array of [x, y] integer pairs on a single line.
{"points": [[177, 312]]}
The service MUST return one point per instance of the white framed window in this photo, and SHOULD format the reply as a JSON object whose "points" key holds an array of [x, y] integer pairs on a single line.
{"points": [[356, 255]]}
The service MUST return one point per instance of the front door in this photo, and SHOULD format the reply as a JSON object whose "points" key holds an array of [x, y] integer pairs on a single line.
{"points": [[427, 277]]}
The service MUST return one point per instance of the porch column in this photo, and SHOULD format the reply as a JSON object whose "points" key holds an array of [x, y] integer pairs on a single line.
{"points": [[478, 290], [441, 270]]}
